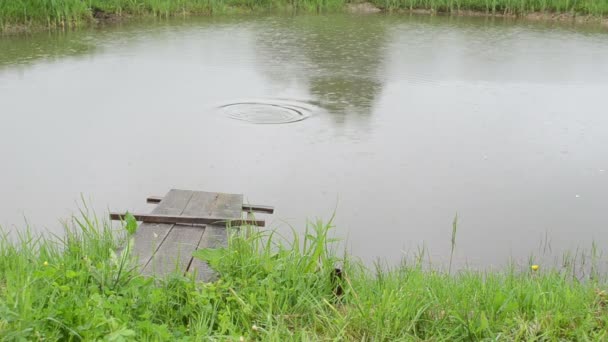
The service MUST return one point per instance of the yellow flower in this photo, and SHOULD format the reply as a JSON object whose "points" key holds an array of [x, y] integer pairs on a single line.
{"points": [[534, 267], [46, 263], [254, 327]]}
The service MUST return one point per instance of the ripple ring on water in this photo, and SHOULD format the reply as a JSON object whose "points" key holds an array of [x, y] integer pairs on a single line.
{"points": [[268, 111]]}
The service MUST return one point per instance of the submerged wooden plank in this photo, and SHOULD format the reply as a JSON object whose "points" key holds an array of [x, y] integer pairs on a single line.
{"points": [[150, 236], [185, 219], [215, 236], [246, 207]]}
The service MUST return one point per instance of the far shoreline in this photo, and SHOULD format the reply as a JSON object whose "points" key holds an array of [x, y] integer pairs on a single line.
{"points": [[101, 19]]}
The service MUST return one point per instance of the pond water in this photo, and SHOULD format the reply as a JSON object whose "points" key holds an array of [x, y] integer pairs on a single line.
{"points": [[396, 122]]}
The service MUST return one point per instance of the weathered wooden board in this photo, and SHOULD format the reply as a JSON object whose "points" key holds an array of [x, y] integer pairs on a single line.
{"points": [[167, 245], [224, 205], [246, 207], [188, 220], [227, 205], [175, 253], [214, 237], [258, 208], [150, 236], [201, 203]]}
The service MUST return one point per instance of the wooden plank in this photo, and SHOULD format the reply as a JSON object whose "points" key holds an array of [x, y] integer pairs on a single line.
{"points": [[258, 208], [183, 219], [167, 245], [228, 205], [175, 253], [202, 204], [150, 236], [225, 205], [214, 237], [246, 207], [154, 199]]}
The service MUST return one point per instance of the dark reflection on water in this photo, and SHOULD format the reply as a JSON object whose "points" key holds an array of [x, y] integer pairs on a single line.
{"points": [[424, 117], [24, 50], [348, 59], [340, 59]]}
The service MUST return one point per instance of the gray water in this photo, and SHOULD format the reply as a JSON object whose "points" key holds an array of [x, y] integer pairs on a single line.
{"points": [[413, 120]]}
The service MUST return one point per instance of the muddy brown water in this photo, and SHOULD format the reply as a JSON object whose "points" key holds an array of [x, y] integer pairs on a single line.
{"points": [[408, 120]]}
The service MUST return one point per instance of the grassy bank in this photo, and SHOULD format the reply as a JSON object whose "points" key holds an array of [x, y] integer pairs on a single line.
{"points": [[271, 288], [68, 13], [597, 8]]}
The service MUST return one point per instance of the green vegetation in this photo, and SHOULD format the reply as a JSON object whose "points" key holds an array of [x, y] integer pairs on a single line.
{"points": [[64, 13], [67, 13], [78, 287], [510, 7]]}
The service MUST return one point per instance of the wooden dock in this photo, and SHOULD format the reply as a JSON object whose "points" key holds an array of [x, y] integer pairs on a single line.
{"points": [[184, 221]]}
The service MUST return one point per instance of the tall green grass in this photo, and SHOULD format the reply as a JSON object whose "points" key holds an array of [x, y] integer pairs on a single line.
{"points": [[61, 13], [80, 287], [511, 7]]}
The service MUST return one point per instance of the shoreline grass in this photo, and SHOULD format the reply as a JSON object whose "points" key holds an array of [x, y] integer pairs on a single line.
{"points": [[79, 287], [21, 15], [597, 8]]}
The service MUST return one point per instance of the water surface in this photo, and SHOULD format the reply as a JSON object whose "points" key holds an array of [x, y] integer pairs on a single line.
{"points": [[423, 117]]}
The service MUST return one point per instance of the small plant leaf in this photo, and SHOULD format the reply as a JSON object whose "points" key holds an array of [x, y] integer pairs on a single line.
{"points": [[130, 223], [210, 255], [484, 323]]}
